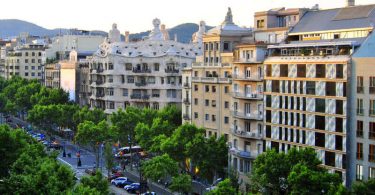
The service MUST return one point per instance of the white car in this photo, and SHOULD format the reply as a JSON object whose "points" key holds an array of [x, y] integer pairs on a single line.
{"points": [[120, 181], [214, 185]]}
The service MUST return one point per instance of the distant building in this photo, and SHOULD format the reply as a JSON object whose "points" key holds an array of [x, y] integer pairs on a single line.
{"points": [[145, 74]]}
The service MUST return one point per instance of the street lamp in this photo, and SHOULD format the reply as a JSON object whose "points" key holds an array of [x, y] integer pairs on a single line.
{"points": [[64, 152]]}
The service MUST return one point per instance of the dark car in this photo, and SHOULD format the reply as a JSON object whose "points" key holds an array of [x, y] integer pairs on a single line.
{"points": [[133, 188], [55, 145], [115, 175]]}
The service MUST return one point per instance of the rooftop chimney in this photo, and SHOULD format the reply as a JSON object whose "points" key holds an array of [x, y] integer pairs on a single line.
{"points": [[126, 36], [350, 3]]}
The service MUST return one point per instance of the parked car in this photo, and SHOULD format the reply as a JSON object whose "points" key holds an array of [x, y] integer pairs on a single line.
{"points": [[55, 145], [149, 193], [121, 181], [116, 169], [132, 188], [115, 175], [213, 186]]}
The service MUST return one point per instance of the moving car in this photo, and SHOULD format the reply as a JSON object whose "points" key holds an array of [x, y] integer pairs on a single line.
{"points": [[121, 181], [132, 188]]}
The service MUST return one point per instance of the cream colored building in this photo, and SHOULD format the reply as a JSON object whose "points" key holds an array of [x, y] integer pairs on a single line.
{"points": [[145, 74], [211, 82], [26, 61]]}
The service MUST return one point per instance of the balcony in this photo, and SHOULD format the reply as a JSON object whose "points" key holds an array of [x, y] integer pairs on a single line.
{"points": [[246, 61], [249, 96], [141, 70], [140, 96], [140, 84], [171, 71], [250, 116], [99, 82], [99, 95], [371, 112], [242, 153], [212, 79], [186, 85], [186, 101], [244, 134], [245, 78], [360, 89], [186, 117]]}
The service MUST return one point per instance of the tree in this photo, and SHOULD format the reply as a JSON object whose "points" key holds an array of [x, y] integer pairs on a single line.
{"points": [[280, 173], [45, 116], [364, 187], [22, 98], [47, 96], [94, 135], [159, 167], [108, 155], [85, 114], [125, 121], [303, 180], [12, 144], [223, 188], [172, 114], [96, 183], [181, 183], [35, 172]]}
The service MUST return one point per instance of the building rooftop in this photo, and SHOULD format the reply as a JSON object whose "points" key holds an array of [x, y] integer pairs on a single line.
{"points": [[362, 16]]}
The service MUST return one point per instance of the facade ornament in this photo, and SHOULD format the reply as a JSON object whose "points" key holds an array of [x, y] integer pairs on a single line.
{"points": [[198, 36], [228, 17], [165, 32], [114, 34], [155, 33]]}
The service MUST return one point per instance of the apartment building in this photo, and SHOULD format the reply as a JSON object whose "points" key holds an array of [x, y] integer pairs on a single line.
{"points": [[308, 86], [26, 61], [247, 110], [362, 120], [211, 82], [145, 74], [72, 75]]}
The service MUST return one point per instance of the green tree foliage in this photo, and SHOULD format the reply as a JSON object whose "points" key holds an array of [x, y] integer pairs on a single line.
{"points": [[108, 155], [363, 187], [84, 190], [96, 183], [94, 135], [181, 183], [223, 188], [12, 143], [35, 172], [294, 172], [172, 114], [85, 114], [160, 167], [125, 121], [47, 96]]}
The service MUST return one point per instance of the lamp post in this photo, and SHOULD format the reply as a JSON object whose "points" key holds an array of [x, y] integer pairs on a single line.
{"points": [[64, 152], [130, 150]]}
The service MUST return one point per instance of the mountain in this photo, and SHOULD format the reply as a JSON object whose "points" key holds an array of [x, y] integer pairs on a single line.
{"points": [[13, 27]]}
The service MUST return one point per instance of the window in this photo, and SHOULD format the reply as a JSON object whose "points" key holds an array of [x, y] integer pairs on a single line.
{"points": [[320, 105], [110, 66], [319, 139], [125, 92], [207, 88], [371, 172], [260, 23], [226, 89], [372, 85], [213, 89], [276, 86], [310, 87], [155, 106], [359, 84], [213, 103], [371, 153], [283, 70], [26, 68], [32, 60], [226, 46], [226, 104], [128, 66], [269, 70], [110, 92], [207, 102], [195, 87], [320, 71], [26, 61], [26, 74], [213, 118], [339, 124], [360, 129], [359, 106], [330, 89], [195, 101], [301, 70], [359, 151], [372, 108], [359, 172], [130, 79], [207, 117], [339, 107], [320, 122], [338, 142], [339, 71], [226, 120], [195, 115], [110, 79], [329, 158], [156, 66], [371, 132], [39, 53]]}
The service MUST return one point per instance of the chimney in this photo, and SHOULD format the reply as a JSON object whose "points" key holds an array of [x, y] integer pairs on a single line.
{"points": [[350, 3], [126, 36]]}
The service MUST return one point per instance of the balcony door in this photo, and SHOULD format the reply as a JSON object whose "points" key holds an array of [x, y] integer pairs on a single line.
{"points": [[248, 90], [247, 109]]}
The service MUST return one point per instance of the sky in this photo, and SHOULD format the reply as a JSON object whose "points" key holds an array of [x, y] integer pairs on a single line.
{"points": [[136, 15]]}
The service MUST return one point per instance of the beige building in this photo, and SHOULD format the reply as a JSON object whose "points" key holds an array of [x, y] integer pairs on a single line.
{"points": [[26, 61]]}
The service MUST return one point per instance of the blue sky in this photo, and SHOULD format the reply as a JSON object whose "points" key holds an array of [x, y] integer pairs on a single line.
{"points": [[136, 15]]}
